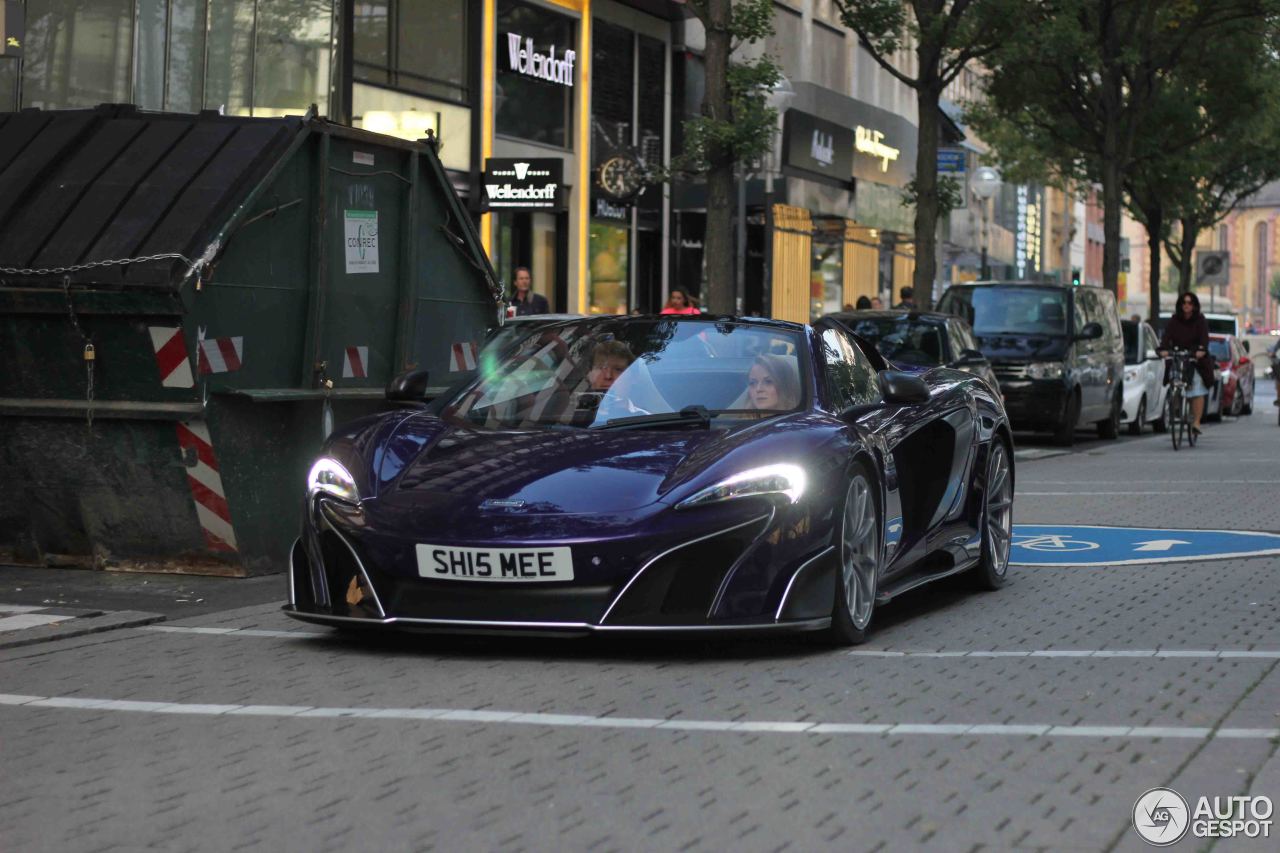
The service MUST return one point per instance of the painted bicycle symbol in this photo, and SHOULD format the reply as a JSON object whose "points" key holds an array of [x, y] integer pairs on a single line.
{"points": [[1051, 542]]}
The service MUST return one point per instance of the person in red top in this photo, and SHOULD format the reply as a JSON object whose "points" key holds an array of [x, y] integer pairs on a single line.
{"points": [[1188, 329], [679, 302]]}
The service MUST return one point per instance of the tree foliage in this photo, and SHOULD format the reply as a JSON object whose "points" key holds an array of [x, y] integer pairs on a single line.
{"points": [[1080, 92], [735, 127], [945, 36]]}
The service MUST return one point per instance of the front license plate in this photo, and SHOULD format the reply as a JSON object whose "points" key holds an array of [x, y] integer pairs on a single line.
{"points": [[520, 565]]}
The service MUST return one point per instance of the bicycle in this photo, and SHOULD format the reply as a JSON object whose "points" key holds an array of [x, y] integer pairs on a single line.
{"points": [[1179, 403]]}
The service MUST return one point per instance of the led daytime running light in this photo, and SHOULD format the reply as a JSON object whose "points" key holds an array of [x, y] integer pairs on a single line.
{"points": [[331, 478], [789, 480]]}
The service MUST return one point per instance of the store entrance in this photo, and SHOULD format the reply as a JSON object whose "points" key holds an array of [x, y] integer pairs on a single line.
{"points": [[536, 240]]}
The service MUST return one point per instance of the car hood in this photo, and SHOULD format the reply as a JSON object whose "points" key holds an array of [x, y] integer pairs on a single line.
{"points": [[459, 469], [1011, 347]]}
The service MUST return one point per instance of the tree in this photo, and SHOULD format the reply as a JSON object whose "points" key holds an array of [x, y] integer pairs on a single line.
{"points": [[1084, 77], [736, 126], [946, 35]]}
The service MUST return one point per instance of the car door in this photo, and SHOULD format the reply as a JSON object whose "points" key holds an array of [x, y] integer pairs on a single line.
{"points": [[1152, 372], [1086, 363]]}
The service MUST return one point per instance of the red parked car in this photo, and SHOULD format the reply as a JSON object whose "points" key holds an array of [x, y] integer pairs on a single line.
{"points": [[1236, 370]]}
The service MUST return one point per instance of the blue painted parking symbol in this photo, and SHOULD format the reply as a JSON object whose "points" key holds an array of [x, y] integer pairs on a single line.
{"points": [[1088, 545]]}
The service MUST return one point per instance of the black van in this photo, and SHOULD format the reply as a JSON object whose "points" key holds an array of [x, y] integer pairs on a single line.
{"points": [[1057, 350]]}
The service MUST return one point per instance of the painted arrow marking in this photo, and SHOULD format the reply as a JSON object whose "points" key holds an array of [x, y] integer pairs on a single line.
{"points": [[1160, 544]]}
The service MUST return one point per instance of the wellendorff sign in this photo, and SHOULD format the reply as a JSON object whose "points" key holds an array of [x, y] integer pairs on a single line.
{"points": [[524, 184], [523, 59]]}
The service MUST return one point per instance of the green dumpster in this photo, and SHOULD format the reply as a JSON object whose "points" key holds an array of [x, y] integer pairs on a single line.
{"points": [[188, 303]]}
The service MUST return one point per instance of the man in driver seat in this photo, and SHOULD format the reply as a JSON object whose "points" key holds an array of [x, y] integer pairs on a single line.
{"points": [[609, 361]]}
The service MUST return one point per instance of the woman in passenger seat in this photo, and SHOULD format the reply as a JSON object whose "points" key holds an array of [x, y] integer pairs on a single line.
{"points": [[773, 383]]}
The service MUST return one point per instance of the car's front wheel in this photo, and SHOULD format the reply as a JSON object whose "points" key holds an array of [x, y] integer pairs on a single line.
{"points": [[997, 520], [859, 553], [1135, 428]]}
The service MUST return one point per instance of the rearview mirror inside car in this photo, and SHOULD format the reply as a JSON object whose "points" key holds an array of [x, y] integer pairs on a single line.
{"points": [[1090, 332], [408, 387], [899, 387]]}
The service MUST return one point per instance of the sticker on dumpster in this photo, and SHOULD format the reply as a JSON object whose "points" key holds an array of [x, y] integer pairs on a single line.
{"points": [[171, 357], [361, 230], [220, 355], [463, 357], [354, 362], [206, 487], [1089, 545]]}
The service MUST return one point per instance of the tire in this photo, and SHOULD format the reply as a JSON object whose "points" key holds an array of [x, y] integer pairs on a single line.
{"points": [[992, 571], [1161, 424], [1216, 417], [859, 568], [1065, 434], [1176, 423], [1135, 428], [1109, 428], [1247, 408]]}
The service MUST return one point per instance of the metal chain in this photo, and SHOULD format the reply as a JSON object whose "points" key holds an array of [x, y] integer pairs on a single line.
{"points": [[167, 256]]}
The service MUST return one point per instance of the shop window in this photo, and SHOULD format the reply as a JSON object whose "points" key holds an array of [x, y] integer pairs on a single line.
{"points": [[148, 82], [651, 59], [185, 92], [229, 65], [8, 85], [293, 50], [527, 106], [415, 46], [77, 54], [612, 89], [411, 117], [610, 257]]}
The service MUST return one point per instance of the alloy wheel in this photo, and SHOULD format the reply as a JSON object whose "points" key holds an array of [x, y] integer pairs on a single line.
{"points": [[999, 515], [860, 552]]}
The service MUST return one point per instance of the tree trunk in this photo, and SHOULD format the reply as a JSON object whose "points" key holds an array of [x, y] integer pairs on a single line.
{"points": [[1190, 233], [1155, 224], [718, 244], [1112, 203], [926, 224]]}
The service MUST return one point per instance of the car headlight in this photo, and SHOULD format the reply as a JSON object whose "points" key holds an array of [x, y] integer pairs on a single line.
{"points": [[789, 480], [1045, 370], [328, 476]]}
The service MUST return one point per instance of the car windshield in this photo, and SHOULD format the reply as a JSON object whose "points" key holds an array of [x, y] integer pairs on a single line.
{"points": [[902, 339], [1130, 342], [589, 373], [1009, 310], [1219, 350]]}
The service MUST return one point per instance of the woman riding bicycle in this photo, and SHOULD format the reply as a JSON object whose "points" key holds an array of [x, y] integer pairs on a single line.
{"points": [[1188, 330]]}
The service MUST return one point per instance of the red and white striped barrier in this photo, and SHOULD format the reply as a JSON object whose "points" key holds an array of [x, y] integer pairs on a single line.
{"points": [[171, 357], [355, 363], [220, 355], [463, 356], [206, 487]]}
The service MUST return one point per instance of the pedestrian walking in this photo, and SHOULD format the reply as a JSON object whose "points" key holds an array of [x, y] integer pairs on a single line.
{"points": [[525, 300], [679, 302], [906, 299]]}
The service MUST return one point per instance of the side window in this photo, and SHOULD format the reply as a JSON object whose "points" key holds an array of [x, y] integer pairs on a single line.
{"points": [[1108, 316], [1079, 317], [1153, 343], [849, 376], [961, 339]]}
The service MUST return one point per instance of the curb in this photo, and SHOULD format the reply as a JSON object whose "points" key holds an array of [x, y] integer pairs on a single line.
{"points": [[111, 621]]}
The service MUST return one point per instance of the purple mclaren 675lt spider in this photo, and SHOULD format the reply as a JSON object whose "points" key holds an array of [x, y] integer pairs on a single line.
{"points": [[691, 474]]}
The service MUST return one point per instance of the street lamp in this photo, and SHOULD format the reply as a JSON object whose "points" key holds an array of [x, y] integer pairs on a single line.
{"points": [[986, 181], [779, 98]]}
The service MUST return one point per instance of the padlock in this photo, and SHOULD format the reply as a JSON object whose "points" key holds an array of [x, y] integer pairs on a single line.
{"points": [[89, 354]]}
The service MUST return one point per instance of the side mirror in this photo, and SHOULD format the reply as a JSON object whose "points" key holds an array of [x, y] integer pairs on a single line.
{"points": [[1245, 344], [408, 387], [1151, 355], [1090, 332], [969, 358], [899, 387]]}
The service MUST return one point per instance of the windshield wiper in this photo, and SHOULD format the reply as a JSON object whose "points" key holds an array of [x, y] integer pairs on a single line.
{"points": [[688, 416]]}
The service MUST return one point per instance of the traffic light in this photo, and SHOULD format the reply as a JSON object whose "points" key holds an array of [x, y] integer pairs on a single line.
{"points": [[1075, 277]]}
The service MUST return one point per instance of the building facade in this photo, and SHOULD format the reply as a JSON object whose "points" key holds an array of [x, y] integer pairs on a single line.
{"points": [[548, 113]]}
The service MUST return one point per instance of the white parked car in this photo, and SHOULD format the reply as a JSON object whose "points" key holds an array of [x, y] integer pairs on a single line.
{"points": [[1145, 394]]}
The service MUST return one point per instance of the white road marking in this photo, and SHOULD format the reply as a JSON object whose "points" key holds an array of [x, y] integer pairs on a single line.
{"points": [[1207, 654], [237, 632], [491, 717], [1019, 493]]}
